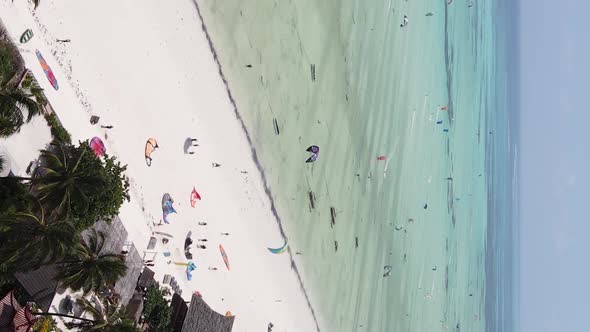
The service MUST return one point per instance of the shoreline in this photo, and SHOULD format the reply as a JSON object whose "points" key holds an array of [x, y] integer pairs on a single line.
{"points": [[259, 167]]}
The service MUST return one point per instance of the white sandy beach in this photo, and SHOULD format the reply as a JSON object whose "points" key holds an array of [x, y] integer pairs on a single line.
{"points": [[145, 68]]}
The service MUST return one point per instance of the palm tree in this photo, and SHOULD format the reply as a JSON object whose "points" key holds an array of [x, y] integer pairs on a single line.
{"points": [[105, 318], [30, 240], [91, 269], [13, 105], [62, 183]]}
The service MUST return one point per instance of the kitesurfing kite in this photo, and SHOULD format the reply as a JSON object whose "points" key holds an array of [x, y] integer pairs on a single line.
{"points": [[190, 267], [386, 270], [278, 250], [315, 150], [194, 197], [150, 146], [167, 207], [97, 146], [47, 70], [224, 256]]}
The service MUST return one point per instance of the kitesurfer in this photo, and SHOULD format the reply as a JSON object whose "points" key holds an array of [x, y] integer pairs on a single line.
{"points": [[405, 22], [387, 270]]}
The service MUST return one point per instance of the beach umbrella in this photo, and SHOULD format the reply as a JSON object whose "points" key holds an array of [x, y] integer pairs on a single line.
{"points": [[97, 146]]}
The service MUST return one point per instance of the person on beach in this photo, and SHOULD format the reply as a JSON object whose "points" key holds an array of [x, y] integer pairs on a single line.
{"points": [[194, 142], [202, 240], [212, 269], [200, 246], [63, 40], [202, 223], [224, 233], [215, 165], [107, 127], [149, 264]]}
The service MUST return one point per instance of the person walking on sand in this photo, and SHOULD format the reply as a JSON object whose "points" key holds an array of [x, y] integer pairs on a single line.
{"points": [[63, 40], [212, 269], [224, 233], [215, 165], [202, 223], [202, 240], [200, 246], [107, 127]]}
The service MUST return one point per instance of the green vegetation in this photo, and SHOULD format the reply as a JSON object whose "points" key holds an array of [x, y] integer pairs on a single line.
{"points": [[89, 268], [42, 216], [13, 104], [157, 311], [8, 64], [74, 182], [59, 133]]}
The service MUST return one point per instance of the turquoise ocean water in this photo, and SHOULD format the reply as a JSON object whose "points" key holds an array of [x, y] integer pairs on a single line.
{"points": [[434, 98]]}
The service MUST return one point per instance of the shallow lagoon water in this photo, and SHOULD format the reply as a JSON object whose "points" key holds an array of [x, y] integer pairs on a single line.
{"points": [[425, 96]]}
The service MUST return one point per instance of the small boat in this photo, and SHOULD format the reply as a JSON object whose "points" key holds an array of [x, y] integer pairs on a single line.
{"points": [[26, 36]]}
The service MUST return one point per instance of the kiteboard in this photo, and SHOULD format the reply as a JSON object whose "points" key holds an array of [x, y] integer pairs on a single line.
{"points": [[48, 72], [276, 126], [224, 256], [26, 36]]}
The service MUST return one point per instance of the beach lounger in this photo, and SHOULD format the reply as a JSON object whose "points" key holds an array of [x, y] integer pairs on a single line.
{"points": [[167, 278]]}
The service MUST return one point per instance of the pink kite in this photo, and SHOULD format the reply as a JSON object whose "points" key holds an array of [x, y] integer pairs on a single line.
{"points": [[382, 157], [48, 72], [97, 146], [194, 197]]}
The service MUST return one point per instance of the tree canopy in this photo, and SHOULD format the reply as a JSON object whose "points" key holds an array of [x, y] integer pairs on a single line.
{"points": [[157, 310]]}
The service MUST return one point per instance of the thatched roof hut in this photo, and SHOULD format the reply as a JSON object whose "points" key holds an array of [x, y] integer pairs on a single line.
{"points": [[201, 318]]}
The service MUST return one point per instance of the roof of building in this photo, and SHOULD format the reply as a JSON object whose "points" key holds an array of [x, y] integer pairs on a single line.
{"points": [[40, 284], [201, 318]]}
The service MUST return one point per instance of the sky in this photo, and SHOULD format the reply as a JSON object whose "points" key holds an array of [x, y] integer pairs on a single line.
{"points": [[554, 165]]}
